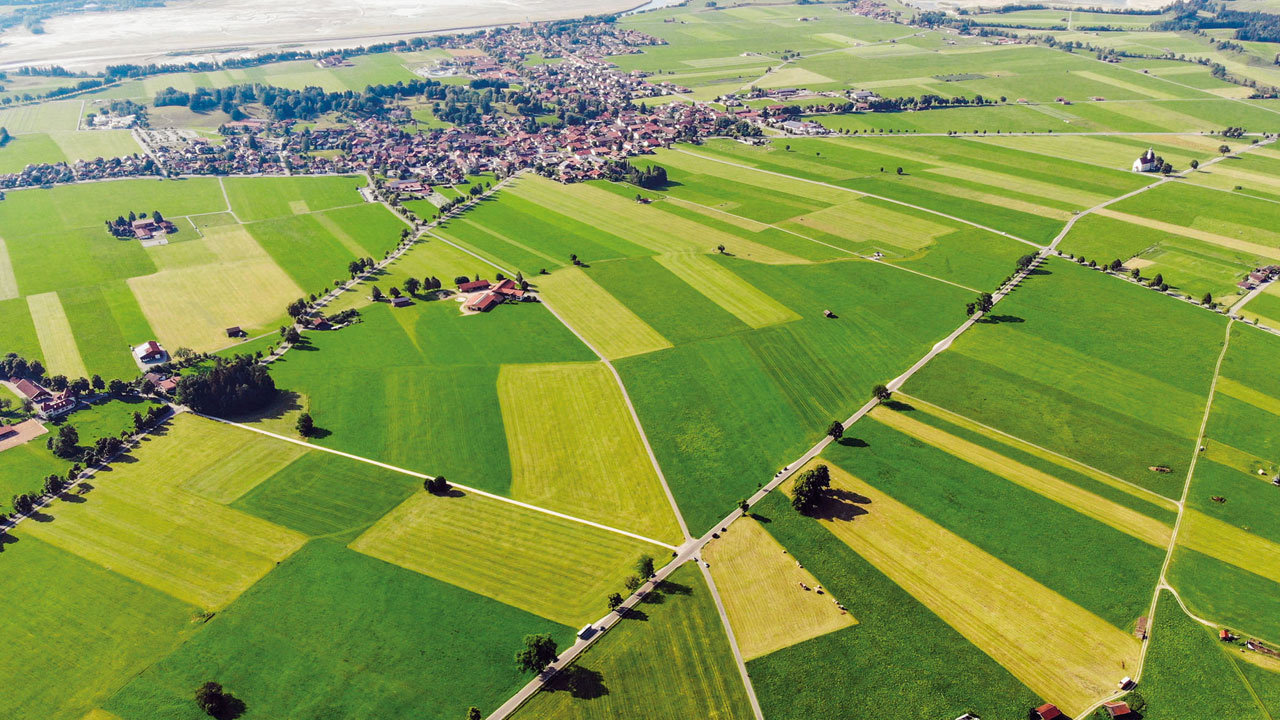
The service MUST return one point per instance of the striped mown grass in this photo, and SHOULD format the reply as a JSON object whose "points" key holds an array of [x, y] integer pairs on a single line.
{"points": [[724, 288], [598, 316], [1066, 654]]}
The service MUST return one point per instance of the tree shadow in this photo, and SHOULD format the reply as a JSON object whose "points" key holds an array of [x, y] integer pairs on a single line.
{"points": [[852, 442], [838, 504], [286, 402], [998, 319], [580, 682], [898, 406], [1039, 271], [41, 517], [634, 613], [232, 708], [71, 498], [318, 433], [7, 539]]}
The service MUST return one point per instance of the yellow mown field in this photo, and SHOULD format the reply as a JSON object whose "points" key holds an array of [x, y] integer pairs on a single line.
{"points": [[759, 583], [742, 299], [601, 318]]}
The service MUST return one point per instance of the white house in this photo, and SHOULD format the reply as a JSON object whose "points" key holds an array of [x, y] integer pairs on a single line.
{"points": [[1146, 163], [150, 352]]}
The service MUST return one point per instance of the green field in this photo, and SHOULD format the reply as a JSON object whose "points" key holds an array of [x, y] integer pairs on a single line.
{"points": [[1187, 676], [1095, 385], [928, 670], [670, 659], [556, 568], [404, 645]]}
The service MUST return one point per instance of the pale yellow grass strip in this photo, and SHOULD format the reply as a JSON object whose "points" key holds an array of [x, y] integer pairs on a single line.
{"points": [[598, 469], [8, 282], [1224, 454], [57, 342], [721, 286], [1230, 544], [601, 318], [1131, 87], [340, 235], [760, 584], [1021, 184], [1037, 451], [988, 198], [1062, 652], [646, 225], [1126, 520], [1244, 393], [721, 215], [1212, 238]]}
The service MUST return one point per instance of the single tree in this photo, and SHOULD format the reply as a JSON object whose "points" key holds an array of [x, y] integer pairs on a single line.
{"points": [[744, 506], [809, 488], [1195, 164], [1166, 169], [538, 652], [306, 426], [899, 170], [881, 392], [615, 599], [836, 430], [1025, 261], [212, 699], [633, 582], [1224, 149], [376, 293], [98, 383], [644, 566], [1207, 299], [292, 336], [411, 286], [474, 713]]}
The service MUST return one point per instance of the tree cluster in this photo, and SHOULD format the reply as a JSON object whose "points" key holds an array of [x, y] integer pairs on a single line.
{"points": [[810, 488], [231, 387], [650, 177]]}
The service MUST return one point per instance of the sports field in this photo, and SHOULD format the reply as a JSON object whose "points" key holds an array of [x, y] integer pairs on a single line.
{"points": [[674, 642], [763, 590], [1060, 650], [559, 569], [597, 469]]}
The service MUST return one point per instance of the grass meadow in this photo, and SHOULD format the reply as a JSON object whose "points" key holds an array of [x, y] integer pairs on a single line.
{"points": [[1093, 384], [556, 568], [570, 421], [760, 585], [404, 645], [1058, 648], [1230, 595], [929, 669], [77, 630], [703, 402], [669, 659], [1187, 675]]}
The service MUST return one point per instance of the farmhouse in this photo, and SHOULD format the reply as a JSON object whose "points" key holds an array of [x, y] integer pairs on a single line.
{"points": [[473, 286], [319, 323], [1116, 708], [1146, 163], [1048, 711], [150, 352], [47, 404], [163, 383]]}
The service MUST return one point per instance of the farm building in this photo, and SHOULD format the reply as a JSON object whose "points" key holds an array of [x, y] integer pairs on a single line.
{"points": [[1146, 163], [1048, 711], [484, 302], [1140, 630], [163, 383], [150, 352], [319, 323], [473, 286], [47, 405], [402, 301], [234, 332], [1116, 709]]}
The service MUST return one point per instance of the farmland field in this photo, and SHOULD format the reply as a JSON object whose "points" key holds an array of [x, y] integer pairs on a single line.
{"points": [[674, 641], [726, 244]]}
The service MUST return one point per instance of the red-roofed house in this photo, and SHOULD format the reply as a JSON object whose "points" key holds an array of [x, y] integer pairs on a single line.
{"points": [[149, 352], [473, 286], [509, 288], [46, 404], [485, 302], [30, 390], [1116, 709], [1048, 711]]}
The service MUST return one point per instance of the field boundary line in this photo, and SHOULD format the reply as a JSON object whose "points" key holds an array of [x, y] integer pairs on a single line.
{"points": [[227, 198], [1154, 497], [423, 476], [733, 641], [861, 193]]}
